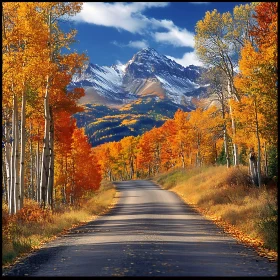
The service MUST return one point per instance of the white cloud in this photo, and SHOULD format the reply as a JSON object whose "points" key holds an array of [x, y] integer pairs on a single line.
{"points": [[138, 44], [132, 44], [175, 36], [117, 44], [188, 58], [129, 17], [120, 15]]}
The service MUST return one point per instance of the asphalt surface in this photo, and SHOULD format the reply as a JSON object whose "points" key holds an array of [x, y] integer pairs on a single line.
{"points": [[150, 232]]}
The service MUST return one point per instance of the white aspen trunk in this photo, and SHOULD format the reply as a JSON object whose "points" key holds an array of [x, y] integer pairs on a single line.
{"points": [[198, 151], [46, 149], [8, 163], [51, 164], [64, 197], [4, 179], [183, 160], [32, 165], [36, 176], [38, 172], [72, 196], [182, 155], [259, 144], [226, 147], [22, 149], [31, 173], [16, 160], [235, 148], [12, 164], [265, 160], [225, 135]]}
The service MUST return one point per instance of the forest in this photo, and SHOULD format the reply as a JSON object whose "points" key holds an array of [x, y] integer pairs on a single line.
{"points": [[49, 161], [46, 157]]}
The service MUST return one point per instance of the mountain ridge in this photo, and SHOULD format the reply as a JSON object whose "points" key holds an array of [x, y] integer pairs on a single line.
{"points": [[147, 73]]}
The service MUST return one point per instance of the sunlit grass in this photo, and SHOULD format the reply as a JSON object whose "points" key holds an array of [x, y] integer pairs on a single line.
{"points": [[226, 196], [23, 233]]}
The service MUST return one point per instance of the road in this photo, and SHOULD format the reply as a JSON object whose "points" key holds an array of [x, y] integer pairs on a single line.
{"points": [[150, 232]]}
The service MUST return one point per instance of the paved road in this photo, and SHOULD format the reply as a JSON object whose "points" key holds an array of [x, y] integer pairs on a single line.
{"points": [[150, 232]]}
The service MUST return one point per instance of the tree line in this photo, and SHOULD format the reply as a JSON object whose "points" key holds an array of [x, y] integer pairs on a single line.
{"points": [[239, 126]]}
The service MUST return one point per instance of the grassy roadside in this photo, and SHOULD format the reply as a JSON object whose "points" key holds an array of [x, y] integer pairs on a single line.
{"points": [[30, 229], [226, 197]]}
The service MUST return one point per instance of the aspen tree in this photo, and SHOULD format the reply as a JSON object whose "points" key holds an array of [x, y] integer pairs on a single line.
{"points": [[218, 44]]}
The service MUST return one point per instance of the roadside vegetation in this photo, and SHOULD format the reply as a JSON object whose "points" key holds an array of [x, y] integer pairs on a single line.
{"points": [[33, 226], [228, 197]]}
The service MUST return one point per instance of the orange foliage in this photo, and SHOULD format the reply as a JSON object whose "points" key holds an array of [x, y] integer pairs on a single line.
{"points": [[186, 140]]}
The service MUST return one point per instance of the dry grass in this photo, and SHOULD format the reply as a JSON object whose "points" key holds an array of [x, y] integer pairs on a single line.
{"points": [[32, 227], [226, 196]]}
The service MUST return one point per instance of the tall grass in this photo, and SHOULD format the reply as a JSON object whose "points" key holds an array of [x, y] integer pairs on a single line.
{"points": [[227, 197], [33, 226]]}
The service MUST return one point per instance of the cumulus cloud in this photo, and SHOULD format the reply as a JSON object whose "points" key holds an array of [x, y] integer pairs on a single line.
{"points": [[188, 58], [138, 44], [175, 35], [132, 44], [129, 17], [120, 15]]}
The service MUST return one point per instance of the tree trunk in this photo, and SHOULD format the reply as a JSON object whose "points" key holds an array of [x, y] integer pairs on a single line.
{"points": [[8, 163], [17, 163], [31, 165], [110, 175], [64, 198], [253, 167], [46, 149], [259, 144], [51, 165], [225, 135], [15, 158], [235, 148], [22, 149], [72, 184], [12, 165], [198, 150], [182, 155], [38, 168], [265, 160], [4, 180], [131, 168]]}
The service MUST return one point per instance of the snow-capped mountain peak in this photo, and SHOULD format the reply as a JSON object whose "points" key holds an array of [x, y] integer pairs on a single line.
{"points": [[147, 73]]}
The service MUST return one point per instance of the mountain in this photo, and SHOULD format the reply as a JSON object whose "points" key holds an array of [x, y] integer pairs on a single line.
{"points": [[147, 74], [105, 124], [129, 99]]}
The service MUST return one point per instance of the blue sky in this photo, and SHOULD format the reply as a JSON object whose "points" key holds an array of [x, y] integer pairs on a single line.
{"points": [[112, 32]]}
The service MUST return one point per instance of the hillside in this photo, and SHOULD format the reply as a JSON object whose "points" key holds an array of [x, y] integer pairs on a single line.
{"points": [[104, 124]]}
